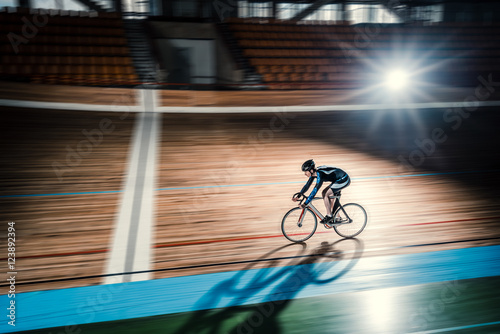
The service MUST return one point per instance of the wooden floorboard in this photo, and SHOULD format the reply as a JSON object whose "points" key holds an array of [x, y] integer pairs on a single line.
{"points": [[67, 94], [50, 227], [223, 151], [224, 185]]}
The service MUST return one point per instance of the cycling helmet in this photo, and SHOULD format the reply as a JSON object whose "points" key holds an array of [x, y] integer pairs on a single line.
{"points": [[308, 165]]}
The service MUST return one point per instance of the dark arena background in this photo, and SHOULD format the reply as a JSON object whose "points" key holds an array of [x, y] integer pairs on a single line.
{"points": [[150, 151]]}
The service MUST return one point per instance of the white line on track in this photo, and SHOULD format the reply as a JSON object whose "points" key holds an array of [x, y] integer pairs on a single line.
{"points": [[216, 109], [130, 249]]}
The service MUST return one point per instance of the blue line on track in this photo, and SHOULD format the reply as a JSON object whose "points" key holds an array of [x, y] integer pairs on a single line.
{"points": [[232, 185], [246, 287], [64, 194], [254, 184], [427, 174]]}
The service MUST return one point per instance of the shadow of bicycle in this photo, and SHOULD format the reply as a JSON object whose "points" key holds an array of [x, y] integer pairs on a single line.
{"points": [[251, 300]]}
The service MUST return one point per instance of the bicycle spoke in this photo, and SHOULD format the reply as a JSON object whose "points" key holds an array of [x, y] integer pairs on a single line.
{"points": [[298, 224], [352, 224]]}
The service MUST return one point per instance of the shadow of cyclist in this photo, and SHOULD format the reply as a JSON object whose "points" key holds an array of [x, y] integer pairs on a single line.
{"points": [[266, 292]]}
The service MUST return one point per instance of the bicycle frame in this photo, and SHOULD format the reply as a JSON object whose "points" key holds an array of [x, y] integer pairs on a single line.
{"points": [[319, 214], [300, 229]]}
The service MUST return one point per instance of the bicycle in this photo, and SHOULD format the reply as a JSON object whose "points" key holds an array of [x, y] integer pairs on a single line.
{"points": [[299, 224]]}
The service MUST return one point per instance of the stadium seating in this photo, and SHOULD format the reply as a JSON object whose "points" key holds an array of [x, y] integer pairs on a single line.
{"points": [[289, 55], [60, 47]]}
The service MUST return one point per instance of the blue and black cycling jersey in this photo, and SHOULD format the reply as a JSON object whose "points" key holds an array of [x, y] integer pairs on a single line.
{"points": [[324, 173]]}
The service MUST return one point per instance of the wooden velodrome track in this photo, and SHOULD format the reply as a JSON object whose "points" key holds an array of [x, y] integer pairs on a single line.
{"points": [[225, 181]]}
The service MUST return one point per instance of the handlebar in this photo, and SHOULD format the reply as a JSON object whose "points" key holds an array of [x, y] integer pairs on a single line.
{"points": [[304, 197], [299, 195]]}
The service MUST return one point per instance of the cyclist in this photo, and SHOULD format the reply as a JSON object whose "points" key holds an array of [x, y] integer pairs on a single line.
{"points": [[338, 178]]}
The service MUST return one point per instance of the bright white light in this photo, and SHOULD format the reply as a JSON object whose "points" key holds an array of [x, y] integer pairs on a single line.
{"points": [[381, 309], [396, 79]]}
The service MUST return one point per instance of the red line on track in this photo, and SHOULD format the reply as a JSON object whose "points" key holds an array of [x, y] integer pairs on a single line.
{"points": [[202, 242]]}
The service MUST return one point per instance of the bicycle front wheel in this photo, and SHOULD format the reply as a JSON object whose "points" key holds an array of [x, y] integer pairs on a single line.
{"points": [[354, 223], [299, 224]]}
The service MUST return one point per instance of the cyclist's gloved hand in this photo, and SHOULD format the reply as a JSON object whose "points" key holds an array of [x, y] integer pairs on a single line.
{"points": [[296, 197]]}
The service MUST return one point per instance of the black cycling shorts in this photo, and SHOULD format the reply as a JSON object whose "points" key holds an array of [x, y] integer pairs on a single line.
{"points": [[340, 184]]}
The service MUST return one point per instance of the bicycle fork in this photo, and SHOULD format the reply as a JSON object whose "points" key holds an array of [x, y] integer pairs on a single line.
{"points": [[301, 218]]}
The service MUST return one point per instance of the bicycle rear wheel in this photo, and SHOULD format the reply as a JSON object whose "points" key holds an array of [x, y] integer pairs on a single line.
{"points": [[299, 224], [355, 224]]}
